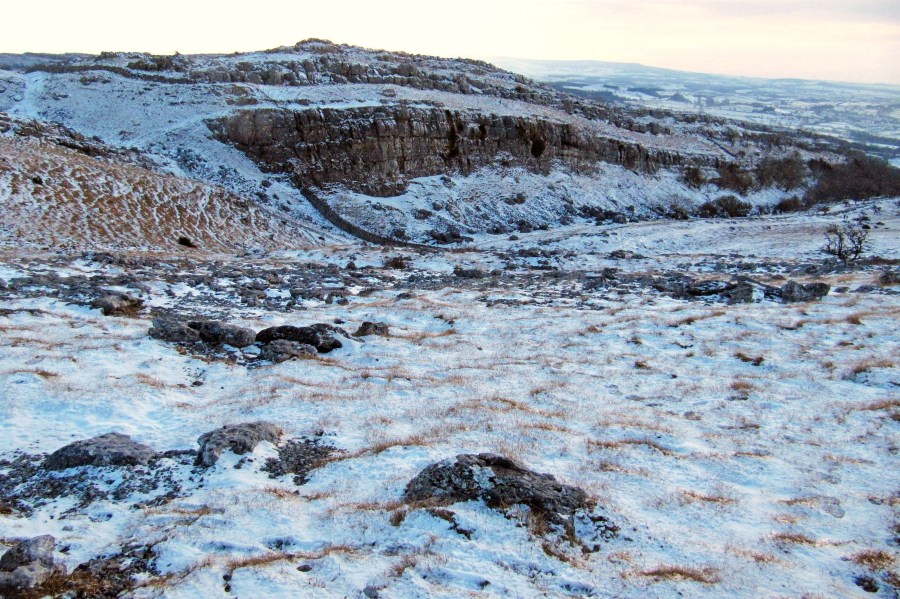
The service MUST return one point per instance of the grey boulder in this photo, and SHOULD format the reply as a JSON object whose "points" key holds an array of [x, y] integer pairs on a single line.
{"points": [[282, 350], [118, 304], [741, 294], [29, 564], [239, 438], [793, 291], [323, 337], [111, 449], [372, 328], [223, 333], [173, 331], [500, 482]]}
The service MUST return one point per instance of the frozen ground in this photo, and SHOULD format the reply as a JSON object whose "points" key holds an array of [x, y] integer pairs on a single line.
{"points": [[742, 450]]}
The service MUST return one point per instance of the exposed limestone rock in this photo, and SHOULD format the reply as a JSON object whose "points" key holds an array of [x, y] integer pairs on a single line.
{"points": [[223, 333], [499, 481], [239, 438], [372, 328], [282, 350], [28, 564], [793, 291], [321, 336], [376, 149], [173, 331], [111, 449], [118, 304]]}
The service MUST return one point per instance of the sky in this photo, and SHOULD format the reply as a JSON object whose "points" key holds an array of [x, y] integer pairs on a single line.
{"points": [[839, 40]]}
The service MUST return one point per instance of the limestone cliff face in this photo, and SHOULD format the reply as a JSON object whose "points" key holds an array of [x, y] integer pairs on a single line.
{"points": [[377, 149]]}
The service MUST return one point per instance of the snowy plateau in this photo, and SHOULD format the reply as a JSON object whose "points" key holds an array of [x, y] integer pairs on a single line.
{"points": [[322, 321]]}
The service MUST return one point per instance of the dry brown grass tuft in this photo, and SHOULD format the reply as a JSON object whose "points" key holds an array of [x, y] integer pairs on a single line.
{"points": [[869, 363], [878, 405], [281, 493], [406, 562], [690, 496], [704, 575], [79, 583], [645, 441], [874, 559], [44, 374], [757, 361], [757, 556], [256, 561], [794, 538], [422, 335], [150, 381], [692, 319]]}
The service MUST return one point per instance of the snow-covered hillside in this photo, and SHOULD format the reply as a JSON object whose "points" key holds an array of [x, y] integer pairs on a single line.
{"points": [[738, 450], [171, 111]]}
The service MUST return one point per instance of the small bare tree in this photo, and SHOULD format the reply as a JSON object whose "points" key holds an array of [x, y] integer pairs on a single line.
{"points": [[846, 241]]}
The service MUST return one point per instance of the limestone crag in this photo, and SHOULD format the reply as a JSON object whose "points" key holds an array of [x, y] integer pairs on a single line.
{"points": [[375, 150]]}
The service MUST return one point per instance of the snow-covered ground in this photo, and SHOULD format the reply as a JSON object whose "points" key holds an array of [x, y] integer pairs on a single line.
{"points": [[742, 450]]}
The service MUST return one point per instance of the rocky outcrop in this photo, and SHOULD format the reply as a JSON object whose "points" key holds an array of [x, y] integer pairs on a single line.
{"points": [[118, 304], [28, 564], [173, 331], [111, 449], [239, 438], [373, 328], [221, 333], [282, 350], [793, 291], [377, 149], [500, 482], [321, 336]]}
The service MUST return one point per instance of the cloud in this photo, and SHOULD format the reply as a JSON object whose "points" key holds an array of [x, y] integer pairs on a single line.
{"points": [[808, 10]]}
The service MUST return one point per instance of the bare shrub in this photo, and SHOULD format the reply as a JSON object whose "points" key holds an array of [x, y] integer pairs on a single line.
{"points": [[733, 177], [846, 241], [790, 204], [725, 206], [693, 176]]}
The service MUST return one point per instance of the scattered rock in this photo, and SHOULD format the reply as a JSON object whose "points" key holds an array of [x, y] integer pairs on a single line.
{"points": [[29, 564], [500, 482], [624, 255], [468, 273], [371, 592], [118, 304], [239, 438], [890, 277], [742, 293], [866, 583], [111, 449], [707, 288], [321, 336], [173, 331], [282, 350], [793, 291], [396, 262], [298, 457], [221, 333], [372, 328], [449, 236]]}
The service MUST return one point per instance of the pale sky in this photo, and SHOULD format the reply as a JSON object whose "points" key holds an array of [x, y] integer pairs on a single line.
{"points": [[843, 40]]}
